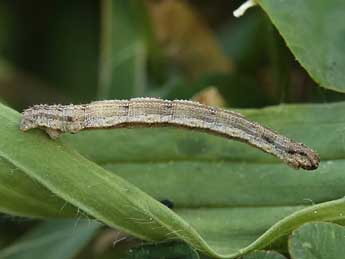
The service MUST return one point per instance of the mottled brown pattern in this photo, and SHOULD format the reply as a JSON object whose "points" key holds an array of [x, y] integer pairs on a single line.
{"points": [[152, 112]]}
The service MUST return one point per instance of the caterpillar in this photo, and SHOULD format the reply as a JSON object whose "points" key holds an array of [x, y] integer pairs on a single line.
{"points": [[153, 112]]}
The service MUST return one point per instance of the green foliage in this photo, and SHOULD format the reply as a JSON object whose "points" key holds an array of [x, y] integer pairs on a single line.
{"points": [[317, 240], [163, 251], [123, 50], [53, 239], [90, 188], [229, 200], [314, 31], [264, 255]]}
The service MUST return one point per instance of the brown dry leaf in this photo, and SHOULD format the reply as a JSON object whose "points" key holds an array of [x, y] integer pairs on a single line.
{"points": [[210, 96], [186, 38]]}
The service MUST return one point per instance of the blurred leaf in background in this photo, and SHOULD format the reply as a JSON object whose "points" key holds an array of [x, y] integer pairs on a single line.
{"points": [[224, 195], [186, 39], [56, 43], [124, 47], [53, 239]]}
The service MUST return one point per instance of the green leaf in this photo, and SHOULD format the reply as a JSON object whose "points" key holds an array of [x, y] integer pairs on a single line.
{"points": [[53, 239], [22, 196], [314, 30], [254, 199], [123, 49], [264, 255], [318, 241], [87, 186], [206, 177], [163, 251]]}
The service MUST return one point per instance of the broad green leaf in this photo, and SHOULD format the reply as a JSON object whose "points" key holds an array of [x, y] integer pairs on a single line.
{"points": [[55, 239], [317, 241], [123, 49], [314, 30], [206, 177], [254, 199], [264, 255], [20, 195], [93, 190]]}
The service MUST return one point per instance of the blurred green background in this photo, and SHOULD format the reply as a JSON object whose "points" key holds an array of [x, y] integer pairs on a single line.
{"points": [[80, 51], [60, 52]]}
